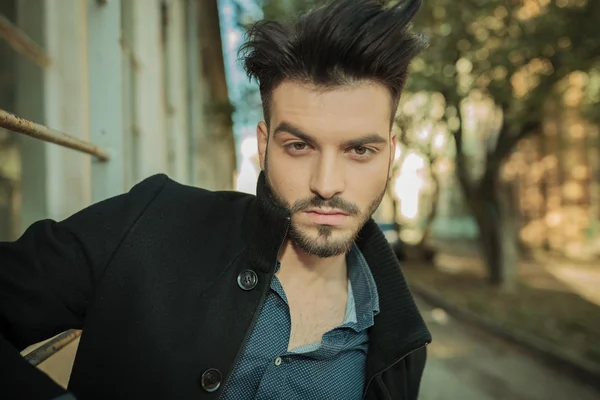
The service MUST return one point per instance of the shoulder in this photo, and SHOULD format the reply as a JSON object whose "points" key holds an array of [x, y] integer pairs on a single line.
{"points": [[162, 188], [160, 199], [118, 212], [197, 198], [175, 201], [177, 190]]}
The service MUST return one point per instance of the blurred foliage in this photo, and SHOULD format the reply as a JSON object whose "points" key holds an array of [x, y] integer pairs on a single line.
{"points": [[523, 55], [516, 51]]}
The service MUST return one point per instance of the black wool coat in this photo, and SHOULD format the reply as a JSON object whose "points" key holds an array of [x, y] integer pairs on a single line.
{"points": [[165, 282]]}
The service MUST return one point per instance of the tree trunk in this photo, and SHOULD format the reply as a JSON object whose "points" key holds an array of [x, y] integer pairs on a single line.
{"points": [[485, 211], [216, 151], [493, 208], [509, 243], [481, 200], [424, 250], [494, 211]]}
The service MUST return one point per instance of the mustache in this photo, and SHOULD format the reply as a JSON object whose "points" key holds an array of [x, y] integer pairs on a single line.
{"points": [[317, 202]]}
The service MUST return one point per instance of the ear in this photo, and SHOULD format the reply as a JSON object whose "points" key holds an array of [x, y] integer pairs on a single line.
{"points": [[262, 138], [393, 136]]}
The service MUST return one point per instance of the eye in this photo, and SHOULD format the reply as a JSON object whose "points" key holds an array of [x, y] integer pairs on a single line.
{"points": [[361, 152], [297, 148]]}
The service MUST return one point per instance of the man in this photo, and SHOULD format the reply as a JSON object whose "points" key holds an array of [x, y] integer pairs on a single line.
{"points": [[183, 293]]}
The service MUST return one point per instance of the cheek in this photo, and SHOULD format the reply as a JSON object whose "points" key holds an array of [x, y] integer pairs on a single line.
{"points": [[367, 181], [372, 173], [290, 179]]}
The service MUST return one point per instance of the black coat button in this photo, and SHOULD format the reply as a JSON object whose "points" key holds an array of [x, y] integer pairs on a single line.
{"points": [[247, 280], [211, 380]]}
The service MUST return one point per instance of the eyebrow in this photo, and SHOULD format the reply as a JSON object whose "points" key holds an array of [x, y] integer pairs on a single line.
{"points": [[286, 127]]}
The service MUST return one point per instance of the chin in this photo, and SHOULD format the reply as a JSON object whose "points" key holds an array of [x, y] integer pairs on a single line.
{"points": [[324, 249], [323, 240]]}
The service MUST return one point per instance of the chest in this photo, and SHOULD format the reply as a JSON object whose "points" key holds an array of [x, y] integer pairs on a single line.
{"points": [[314, 314], [336, 369]]}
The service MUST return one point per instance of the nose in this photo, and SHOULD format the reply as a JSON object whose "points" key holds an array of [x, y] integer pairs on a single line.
{"points": [[328, 178]]}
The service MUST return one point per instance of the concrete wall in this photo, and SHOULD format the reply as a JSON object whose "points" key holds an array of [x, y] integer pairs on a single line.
{"points": [[121, 76]]}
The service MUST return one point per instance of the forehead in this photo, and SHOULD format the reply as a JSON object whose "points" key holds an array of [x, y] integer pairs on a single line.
{"points": [[347, 110]]}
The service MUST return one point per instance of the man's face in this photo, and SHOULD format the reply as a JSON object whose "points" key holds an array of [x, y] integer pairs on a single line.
{"points": [[328, 160]]}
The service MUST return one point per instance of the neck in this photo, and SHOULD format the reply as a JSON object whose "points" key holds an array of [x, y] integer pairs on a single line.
{"points": [[301, 266]]}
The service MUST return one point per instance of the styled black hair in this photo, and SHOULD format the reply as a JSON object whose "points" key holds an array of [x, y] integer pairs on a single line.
{"points": [[343, 42]]}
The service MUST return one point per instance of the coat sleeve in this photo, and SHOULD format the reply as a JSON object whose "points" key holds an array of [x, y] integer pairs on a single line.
{"points": [[403, 380], [416, 366], [47, 280]]}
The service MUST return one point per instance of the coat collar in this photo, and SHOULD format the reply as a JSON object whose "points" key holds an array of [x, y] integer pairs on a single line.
{"points": [[399, 327]]}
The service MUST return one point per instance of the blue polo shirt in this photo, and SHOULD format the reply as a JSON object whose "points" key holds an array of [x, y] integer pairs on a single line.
{"points": [[333, 368]]}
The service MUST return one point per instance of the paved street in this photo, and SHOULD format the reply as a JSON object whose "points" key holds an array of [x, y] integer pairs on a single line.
{"points": [[468, 364]]}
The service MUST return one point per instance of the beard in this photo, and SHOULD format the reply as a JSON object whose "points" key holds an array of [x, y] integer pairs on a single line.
{"points": [[324, 245]]}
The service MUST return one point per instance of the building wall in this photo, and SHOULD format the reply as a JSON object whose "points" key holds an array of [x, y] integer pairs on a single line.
{"points": [[9, 154], [121, 76]]}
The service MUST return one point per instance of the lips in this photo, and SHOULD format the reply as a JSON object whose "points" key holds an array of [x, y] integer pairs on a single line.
{"points": [[327, 217], [327, 212]]}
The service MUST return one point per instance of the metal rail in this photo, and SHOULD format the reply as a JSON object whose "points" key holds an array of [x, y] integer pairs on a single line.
{"points": [[23, 44], [41, 132], [42, 353]]}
